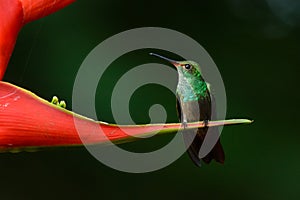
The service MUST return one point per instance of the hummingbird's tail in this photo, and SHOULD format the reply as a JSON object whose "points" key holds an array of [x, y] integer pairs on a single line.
{"points": [[217, 153]]}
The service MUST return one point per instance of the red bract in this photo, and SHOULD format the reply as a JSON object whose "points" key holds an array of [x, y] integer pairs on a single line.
{"points": [[14, 14], [29, 121]]}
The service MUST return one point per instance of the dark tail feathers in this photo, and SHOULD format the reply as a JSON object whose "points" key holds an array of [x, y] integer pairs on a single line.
{"points": [[217, 153]]}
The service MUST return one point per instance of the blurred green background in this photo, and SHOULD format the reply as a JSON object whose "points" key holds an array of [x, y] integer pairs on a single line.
{"points": [[255, 44]]}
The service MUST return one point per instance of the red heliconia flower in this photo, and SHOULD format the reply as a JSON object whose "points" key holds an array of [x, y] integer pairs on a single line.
{"points": [[28, 121]]}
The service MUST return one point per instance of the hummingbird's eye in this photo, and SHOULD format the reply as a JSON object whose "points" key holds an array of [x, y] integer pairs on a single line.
{"points": [[187, 66]]}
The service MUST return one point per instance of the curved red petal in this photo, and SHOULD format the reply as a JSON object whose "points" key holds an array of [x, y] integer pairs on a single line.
{"points": [[11, 15], [14, 14], [35, 9]]}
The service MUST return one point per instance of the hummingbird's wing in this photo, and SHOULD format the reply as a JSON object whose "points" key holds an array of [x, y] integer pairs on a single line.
{"points": [[205, 105], [178, 108], [208, 112], [217, 153]]}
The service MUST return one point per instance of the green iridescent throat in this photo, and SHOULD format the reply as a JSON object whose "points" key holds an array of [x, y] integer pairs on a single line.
{"points": [[191, 87]]}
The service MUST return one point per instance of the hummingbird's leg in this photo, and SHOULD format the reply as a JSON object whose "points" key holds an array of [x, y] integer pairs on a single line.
{"points": [[184, 121], [205, 122], [184, 124]]}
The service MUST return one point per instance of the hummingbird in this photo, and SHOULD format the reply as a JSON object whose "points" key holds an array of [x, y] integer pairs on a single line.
{"points": [[194, 103]]}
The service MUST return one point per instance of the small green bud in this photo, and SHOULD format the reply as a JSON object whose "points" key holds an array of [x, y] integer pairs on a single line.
{"points": [[62, 104], [54, 100]]}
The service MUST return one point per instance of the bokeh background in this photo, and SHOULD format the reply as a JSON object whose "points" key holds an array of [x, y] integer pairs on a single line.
{"points": [[255, 44]]}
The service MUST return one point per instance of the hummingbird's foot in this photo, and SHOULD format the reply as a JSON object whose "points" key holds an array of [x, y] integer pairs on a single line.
{"points": [[205, 122], [184, 124]]}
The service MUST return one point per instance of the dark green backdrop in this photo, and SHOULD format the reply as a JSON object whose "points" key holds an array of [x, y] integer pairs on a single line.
{"points": [[256, 48]]}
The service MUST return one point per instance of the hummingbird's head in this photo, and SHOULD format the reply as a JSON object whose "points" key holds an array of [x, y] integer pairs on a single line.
{"points": [[186, 69], [191, 86]]}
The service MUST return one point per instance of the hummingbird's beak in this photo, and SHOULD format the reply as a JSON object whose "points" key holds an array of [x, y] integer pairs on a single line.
{"points": [[174, 62]]}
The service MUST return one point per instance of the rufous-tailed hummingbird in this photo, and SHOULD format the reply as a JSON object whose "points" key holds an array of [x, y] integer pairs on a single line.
{"points": [[194, 103]]}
